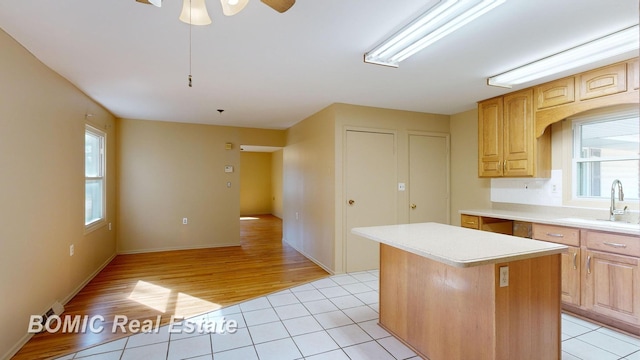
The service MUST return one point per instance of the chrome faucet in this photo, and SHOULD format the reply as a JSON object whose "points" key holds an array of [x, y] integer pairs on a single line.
{"points": [[612, 210]]}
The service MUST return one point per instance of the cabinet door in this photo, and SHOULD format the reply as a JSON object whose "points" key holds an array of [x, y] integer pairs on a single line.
{"points": [[603, 81], [470, 221], [613, 286], [571, 276], [518, 136], [490, 138]]}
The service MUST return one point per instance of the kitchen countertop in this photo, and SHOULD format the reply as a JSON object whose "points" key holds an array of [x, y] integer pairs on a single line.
{"points": [[457, 246], [542, 218]]}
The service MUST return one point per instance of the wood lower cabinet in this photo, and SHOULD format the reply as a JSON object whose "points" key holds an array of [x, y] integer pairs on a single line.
{"points": [[495, 225], [571, 265], [612, 278], [600, 274], [571, 260]]}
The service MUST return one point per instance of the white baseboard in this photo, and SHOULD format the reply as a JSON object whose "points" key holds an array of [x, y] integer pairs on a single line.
{"points": [[314, 260], [25, 339], [175, 248]]}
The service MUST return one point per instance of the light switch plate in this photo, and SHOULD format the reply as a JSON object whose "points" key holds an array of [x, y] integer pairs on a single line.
{"points": [[228, 169], [402, 187]]}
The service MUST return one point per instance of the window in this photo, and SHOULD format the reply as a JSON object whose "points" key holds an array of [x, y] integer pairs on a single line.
{"points": [[606, 147], [94, 175]]}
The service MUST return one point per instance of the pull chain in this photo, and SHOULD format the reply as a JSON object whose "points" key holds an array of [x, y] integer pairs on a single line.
{"points": [[190, 26]]}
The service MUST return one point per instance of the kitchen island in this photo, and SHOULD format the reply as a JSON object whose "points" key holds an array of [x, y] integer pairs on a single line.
{"points": [[455, 293]]}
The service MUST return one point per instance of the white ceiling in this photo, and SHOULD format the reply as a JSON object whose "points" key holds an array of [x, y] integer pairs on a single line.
{"points": [[272, 70]]}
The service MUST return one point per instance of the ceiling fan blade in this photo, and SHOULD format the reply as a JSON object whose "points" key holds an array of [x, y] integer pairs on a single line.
{"points": [[232, 7], [157, 3], [279, 5]]}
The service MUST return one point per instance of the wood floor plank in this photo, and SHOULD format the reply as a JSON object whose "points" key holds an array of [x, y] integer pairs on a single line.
{"points": [[186, 283]]}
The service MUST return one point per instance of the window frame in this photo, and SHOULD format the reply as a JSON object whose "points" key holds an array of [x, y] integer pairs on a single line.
{"points": [[570, 165], [102, 221]]}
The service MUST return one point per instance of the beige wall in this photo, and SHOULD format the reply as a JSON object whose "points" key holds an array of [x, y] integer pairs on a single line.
{"points": [[42, 119], [402, 123], [276, 183], [468, 191], [170, 171], [308, 187], [313, 184], [255, 183]]}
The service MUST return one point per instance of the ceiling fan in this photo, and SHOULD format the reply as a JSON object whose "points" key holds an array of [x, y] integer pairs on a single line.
{"points": [[229, 8]]}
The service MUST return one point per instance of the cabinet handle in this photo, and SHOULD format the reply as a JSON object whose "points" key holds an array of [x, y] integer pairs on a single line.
{"points": [[589, 264], [575, 261], [555, 235], [470, 222], [616, 245], [504, 166]]}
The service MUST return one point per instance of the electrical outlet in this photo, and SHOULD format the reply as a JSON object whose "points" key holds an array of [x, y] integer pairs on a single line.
{"points": [[185, 221], [504, 276], [71, 250]]}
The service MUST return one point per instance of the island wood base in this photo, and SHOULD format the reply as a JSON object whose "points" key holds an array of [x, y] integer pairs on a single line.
{"points": [[447, 313]]}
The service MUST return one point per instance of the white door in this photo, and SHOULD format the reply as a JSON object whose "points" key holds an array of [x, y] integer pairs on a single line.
{"points": [[370, 182], [429, 178]]}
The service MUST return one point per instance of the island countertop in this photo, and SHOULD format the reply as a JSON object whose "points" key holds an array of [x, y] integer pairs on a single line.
{"points": [[457, 246]]}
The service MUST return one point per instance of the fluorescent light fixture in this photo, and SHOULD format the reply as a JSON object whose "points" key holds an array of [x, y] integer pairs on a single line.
{"points": [[439, 21], [194, 12], [603, 48]]}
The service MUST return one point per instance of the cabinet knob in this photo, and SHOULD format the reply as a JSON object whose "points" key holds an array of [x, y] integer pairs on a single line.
{"points": [[413, 206], [351, 202]]}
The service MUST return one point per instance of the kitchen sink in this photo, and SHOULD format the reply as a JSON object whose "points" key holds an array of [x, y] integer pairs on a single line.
{"points": [[602, 223]]}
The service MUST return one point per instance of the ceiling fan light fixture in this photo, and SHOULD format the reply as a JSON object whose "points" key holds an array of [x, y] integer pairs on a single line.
{"points": [[157, 3], [611, 45], [232, 7], [439, 21], [279, 5], [194, 12]]}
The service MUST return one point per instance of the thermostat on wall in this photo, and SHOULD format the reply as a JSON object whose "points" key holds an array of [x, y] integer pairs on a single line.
{"points": [[228, 169]]}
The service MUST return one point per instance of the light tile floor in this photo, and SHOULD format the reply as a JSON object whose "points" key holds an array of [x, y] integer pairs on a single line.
{"points": [[333, 318]]}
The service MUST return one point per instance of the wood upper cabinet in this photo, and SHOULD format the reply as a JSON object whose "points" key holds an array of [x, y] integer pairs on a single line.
{"points": [[554, 93], [603, 81], [634, 71], [507, 146], [490, 138], [518, 148]]}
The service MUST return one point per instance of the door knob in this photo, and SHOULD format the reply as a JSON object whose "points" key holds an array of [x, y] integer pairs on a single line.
{"points": [[413, 206], [351, 202]]}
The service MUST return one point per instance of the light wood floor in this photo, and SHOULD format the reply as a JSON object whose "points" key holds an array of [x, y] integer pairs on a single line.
{"points": [[187, 283]]}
